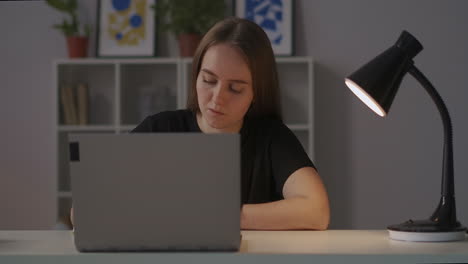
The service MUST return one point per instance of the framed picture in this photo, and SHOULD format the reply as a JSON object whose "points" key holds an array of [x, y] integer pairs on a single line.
{"points": [[276, 17], [126, 28]]}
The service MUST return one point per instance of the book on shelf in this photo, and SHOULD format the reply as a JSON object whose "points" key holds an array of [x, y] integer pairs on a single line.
{"points": [[82, 94], [66, 99], [74, 103]]}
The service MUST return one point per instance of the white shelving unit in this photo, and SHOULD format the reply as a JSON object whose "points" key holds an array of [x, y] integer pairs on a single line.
{"points": [[123, 91]]}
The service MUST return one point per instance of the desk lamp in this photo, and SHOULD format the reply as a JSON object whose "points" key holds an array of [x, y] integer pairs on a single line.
{"points": [[376, 84]]}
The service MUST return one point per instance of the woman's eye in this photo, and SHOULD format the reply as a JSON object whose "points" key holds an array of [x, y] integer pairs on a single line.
{"points": [[235, 89], [210, 81]]}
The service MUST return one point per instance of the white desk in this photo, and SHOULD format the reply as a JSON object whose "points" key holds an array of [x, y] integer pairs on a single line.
{"points": [[284, 247]]}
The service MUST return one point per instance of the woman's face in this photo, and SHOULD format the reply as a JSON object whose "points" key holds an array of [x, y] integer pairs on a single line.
{"points": [[224, 88]]}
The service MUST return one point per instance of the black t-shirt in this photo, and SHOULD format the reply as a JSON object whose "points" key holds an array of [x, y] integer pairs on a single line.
{"points": [[270, 151]]}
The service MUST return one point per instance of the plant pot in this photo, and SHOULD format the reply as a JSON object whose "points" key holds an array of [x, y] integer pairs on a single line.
{"points": [[77, 47], [188, 43]]}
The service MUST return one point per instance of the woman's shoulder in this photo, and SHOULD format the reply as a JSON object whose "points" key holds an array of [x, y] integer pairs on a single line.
{"points": [[167, 121]]}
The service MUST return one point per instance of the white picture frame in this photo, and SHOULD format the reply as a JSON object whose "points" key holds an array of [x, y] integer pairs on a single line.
{"points": [[275, 17], [126, 29]]}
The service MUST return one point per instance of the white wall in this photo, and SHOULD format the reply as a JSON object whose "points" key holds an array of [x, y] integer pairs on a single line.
{"points": [[378, 171], [27, 47], [384, 171]]}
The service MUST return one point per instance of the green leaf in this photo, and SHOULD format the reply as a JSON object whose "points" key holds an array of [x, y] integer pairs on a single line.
{"points": [[57, 4], [182, 16], [87, 30], [68, 27], [67, 6], [72, 5]]}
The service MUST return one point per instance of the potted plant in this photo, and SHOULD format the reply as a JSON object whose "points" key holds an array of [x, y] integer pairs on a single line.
{"points": [[189, 20], [77, 41]]}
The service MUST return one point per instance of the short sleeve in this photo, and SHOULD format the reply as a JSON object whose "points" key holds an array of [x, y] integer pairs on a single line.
{"points": [[144, 126], [287, 155]]}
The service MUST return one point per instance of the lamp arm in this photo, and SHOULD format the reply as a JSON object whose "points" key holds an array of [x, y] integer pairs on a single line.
{"points": [[447, 176], [445, 212]]}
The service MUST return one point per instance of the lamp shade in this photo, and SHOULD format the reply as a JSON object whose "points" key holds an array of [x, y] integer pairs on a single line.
{"points": [[376, 83]]}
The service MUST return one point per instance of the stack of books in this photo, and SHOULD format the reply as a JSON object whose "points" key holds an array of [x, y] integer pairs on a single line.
{"points": [[74, 102]]}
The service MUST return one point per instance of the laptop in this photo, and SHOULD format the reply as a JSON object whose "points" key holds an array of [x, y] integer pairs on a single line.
{"points": [[156, 191]]}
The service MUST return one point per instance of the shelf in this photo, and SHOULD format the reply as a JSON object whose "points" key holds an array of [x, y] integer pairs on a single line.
{"points": [[122, 92], [285, 59], [161, 60], [293, 59], [298, 127], [295, 94], [64, 194], [88, 61], [153, 61], [90, 128], [147, 88], [295, 127], [85, 61], [126, 127], [99, 78]]}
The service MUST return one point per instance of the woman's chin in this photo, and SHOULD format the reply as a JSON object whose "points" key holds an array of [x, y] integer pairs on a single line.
{"points": [[217, 125], [220, 124]]}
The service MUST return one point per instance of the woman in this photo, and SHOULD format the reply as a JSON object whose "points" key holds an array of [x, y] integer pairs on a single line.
{"points": [[235, 90]]}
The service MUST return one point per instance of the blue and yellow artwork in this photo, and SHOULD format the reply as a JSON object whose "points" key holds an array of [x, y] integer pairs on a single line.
{"points": [[126, 28], [127, 22]]}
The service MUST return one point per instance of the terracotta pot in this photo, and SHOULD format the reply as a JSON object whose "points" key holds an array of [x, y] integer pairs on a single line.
{"points": [[77, 47], [188, 43]]}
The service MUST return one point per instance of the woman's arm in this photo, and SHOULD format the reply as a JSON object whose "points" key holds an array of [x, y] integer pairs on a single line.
{"points": [[305, 206]]}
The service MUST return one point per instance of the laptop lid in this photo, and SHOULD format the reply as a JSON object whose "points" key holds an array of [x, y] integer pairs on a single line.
{"points": [[156, 191]]}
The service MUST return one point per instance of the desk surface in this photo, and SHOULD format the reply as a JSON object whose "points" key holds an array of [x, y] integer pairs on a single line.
{"points": [[363, 246]]}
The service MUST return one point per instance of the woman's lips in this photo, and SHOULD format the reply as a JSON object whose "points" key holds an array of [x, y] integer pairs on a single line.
{"points": [[215, 112]]}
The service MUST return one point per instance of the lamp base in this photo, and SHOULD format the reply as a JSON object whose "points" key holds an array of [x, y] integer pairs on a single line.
{"points": [[426, 231]]}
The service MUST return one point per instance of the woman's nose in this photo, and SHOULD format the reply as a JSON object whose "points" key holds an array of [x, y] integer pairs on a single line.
{"points": [[219, 95]]}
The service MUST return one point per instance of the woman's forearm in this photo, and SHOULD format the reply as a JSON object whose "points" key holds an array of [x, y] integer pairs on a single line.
{"points": [[292, 213]]}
